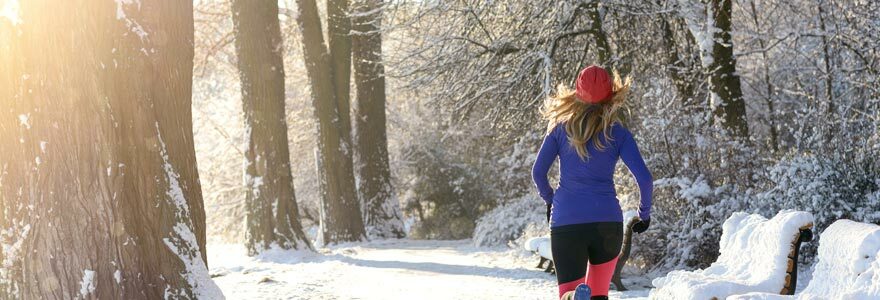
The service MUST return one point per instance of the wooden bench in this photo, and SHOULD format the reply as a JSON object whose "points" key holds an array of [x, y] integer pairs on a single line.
{"points": [[541, 246], [848, 265], [757, 255]]}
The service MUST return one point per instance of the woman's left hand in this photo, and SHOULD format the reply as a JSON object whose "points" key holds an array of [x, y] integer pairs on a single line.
{"points": [[641, 226]]}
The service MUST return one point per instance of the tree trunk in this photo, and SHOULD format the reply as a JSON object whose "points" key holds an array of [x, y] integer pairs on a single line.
{"points": [[603, 49], [381, 210], [339, 41], [341, 219], [829, 78], [98, 181], [727, 99], [272, 216], [765, 65], [675, 64]]}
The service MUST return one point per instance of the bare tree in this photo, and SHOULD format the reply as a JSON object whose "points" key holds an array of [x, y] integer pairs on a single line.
{"points": [[99, 190], [681, 62], [769, 91], [341, 218], [272, 213], [381, 210], [714, 37]]}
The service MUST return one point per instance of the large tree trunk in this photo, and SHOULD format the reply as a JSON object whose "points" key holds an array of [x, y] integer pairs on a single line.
{"points": [[271, 211], [339, 42], [341, 218], [98, 180], [727, 99], [603, 48], [381, 210]]}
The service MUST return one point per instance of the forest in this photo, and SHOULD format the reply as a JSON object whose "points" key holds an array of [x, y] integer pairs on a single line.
{"points": [[303, 149]]}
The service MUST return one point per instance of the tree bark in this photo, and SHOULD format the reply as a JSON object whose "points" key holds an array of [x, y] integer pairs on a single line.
{"points": [[676, 67], [339, 42], [603, 48], [829, 77], [341, 219], [382, 215], [272, 215], [727, 100], [98, 181]]}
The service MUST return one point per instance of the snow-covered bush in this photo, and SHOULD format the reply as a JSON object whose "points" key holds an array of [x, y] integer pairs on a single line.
{"points": [[686, 223], [867, 214], [828, 187], [508, 221], [517, 160], [445, 197], [450, 172]]}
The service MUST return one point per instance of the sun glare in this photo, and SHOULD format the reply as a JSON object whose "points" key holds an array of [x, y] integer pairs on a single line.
{"points": [[9, 10]]}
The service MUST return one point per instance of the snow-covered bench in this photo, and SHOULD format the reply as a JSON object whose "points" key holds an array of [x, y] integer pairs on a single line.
{"points": [[541, 246], [848, 267], [757, 255]]}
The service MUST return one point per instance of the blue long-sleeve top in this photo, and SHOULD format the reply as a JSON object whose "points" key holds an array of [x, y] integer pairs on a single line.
{"points": [[586, 191]]}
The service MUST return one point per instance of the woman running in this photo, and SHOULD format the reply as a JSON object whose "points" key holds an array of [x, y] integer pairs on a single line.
{"points": [[586, 223]]}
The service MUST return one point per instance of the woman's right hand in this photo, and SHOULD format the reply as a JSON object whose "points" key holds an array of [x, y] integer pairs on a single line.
{"points": [[549, 206]]}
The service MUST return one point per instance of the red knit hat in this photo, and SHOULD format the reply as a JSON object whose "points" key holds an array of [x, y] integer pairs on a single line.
{"points": [[593, 85]]}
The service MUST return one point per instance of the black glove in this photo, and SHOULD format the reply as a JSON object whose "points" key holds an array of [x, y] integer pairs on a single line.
{"points": [[641, 226], [549, 205]]}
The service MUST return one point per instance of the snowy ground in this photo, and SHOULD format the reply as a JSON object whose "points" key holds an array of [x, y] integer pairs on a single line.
{"points": [[393, 269]]}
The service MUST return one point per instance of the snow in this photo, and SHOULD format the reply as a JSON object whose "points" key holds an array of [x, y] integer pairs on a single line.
{"points": [[87, 285], [120, 13], [132, 25], [388, 269], [11, 251], [629, 215], [507, 221], [703, 32], [848, 264], [547, 62], [182, 241], [867, 285], [541, 246], [753, 258], [846, 249], [23, 119]]}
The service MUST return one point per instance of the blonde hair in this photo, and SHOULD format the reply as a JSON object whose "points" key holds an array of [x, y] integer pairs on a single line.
{"points": [[584, 121]]}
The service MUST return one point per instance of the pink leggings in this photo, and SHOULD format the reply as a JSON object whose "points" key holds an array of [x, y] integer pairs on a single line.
{"points": [[598, 279]]}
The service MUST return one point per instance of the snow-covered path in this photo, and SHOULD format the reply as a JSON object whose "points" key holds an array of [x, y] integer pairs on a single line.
{"points": [[393, 269]]}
